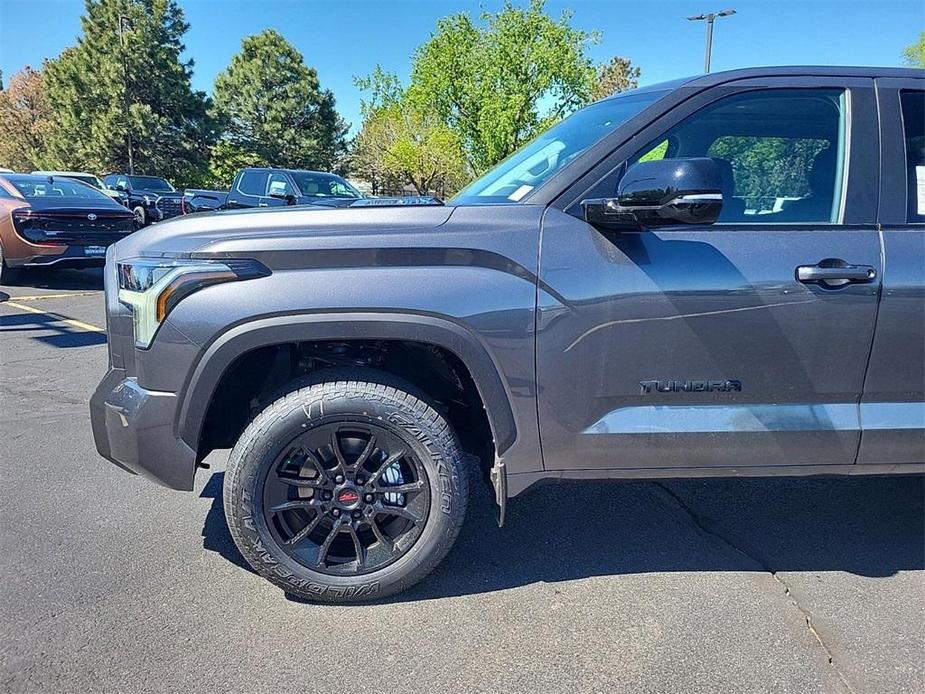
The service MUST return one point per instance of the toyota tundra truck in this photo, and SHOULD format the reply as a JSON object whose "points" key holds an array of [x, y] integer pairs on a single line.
{"points": [[718, 276]]}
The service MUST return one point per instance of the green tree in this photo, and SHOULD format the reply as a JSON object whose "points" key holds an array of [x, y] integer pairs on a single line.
{"points": [[273, 110], [616, 76], [914, 54], [499, 82], [402, 145], [23, 121], [124, 88]]}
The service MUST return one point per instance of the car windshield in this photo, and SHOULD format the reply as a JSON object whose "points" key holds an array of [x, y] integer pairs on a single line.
{"points": [[531, 166], [89, 180], [152, 183], [321, 185], [54, 187]]}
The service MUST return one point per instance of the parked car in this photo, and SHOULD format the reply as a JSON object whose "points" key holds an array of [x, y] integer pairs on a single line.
{"points": [[91, 180], [254, 187], [602, 304], [151, 198], [48, 221]]}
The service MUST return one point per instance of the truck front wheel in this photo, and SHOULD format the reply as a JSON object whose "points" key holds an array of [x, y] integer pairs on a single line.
{"points": [[346, 490]]}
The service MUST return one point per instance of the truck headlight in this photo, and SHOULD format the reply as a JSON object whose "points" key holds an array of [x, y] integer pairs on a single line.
{"points": [[152, 287]]}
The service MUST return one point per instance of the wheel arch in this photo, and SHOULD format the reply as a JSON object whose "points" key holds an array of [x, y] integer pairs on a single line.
{"points": [[222, 353]]}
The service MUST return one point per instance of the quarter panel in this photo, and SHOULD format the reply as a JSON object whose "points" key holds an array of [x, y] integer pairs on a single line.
{"points": [[893, 405]]}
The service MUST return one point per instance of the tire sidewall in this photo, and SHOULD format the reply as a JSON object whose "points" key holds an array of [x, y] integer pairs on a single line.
{"points": [[273, 430], [140, 219]]}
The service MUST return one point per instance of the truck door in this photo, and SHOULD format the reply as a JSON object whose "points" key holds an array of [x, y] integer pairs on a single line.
{"points": [[279, 190], [732, 345], [249, 189], [893, 405]]}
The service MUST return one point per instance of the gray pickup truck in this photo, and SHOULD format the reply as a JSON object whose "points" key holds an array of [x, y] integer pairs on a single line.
{"points": [[719, 276]]}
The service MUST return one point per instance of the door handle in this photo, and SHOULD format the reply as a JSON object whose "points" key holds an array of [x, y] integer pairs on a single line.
{"points": [[263, 204], [835, 272]]}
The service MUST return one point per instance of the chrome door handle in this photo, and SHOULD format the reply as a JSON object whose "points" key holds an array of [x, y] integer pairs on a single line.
{"points": [[835, 272]]}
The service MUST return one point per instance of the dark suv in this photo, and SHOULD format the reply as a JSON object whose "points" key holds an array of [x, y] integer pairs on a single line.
{"points": [[720, 276], [150, 198]]}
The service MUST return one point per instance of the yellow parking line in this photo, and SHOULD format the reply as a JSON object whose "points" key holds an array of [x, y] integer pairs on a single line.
{"points": [[79, 324], [36, 297]]}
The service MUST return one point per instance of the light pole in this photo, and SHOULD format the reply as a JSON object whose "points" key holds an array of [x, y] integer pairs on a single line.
{"points": [[710, 17], [125, 24]]}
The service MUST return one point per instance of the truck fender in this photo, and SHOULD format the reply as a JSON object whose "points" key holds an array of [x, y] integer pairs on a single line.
{"points": [[219, 355]]}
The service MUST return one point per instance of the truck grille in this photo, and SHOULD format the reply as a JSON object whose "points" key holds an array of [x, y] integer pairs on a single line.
{"points": [[168, 207]]}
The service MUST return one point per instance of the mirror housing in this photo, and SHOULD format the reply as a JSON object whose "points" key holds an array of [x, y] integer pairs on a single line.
{"points": [[280, 195], [657, 193]]}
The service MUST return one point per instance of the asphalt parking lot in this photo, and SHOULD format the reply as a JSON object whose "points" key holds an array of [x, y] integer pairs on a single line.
{"points": [[110, 583]]}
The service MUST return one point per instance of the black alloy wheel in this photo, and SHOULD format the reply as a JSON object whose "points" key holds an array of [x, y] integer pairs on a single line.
{"points": [[346, 499]]}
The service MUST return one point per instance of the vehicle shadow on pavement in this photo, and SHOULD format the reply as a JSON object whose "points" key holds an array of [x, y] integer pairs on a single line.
{"points": [[63, 335], [565, 531], [85, 279]]}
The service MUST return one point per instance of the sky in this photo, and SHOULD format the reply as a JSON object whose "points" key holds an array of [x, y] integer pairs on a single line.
{"points": [[346, 38]]}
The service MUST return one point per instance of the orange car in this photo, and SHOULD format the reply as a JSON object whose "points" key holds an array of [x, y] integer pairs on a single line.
{"points": [[54, 221]]}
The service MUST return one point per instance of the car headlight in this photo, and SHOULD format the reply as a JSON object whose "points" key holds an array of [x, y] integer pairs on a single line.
{"points": [[152, 287], [148, 199]]}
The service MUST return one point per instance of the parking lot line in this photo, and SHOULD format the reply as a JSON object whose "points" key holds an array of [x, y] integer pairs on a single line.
{"points": [[80, 325], [69, 295]]}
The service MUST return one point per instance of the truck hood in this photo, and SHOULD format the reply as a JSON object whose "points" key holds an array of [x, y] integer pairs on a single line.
{"points": [[265, 231], [159, 193]]}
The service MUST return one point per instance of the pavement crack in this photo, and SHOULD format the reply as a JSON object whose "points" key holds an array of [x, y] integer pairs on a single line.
{"points": [[704, 526]]}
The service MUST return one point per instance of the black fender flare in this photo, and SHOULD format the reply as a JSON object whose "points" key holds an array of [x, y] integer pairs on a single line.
{"points": [[221, 353]]}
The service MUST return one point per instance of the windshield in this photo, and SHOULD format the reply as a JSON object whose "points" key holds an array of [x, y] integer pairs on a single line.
{"points": [[152, 183], [54, 187], [89, 180], [321, 185], [532, 165]]}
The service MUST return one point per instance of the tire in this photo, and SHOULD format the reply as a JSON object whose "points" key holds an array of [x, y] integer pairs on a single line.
{"points": [[8, 275], [285, 437], [141, 216]]}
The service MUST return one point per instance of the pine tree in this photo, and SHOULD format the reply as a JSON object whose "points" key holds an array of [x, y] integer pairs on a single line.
{"points": [[123, 91], [273, 109]]}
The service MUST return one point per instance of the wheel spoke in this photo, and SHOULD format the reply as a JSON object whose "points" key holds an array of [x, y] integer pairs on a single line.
{"points": [[408, 488], [298, 503], [385, 466], [338, 453], [306, 531], [314, 483], [364, 456], [377, 531], [399, 511], [328, 541], [357, 547]]}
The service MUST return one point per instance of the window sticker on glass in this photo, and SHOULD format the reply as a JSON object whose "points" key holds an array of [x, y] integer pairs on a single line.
{"points": [[920, 189], [519, 193]]}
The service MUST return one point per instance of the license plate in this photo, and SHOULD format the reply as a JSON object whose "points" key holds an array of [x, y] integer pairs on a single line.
{"points": [[95, 250]]}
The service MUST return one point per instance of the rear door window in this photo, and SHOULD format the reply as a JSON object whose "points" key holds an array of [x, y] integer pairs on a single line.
{"points": [[913, 109], [253, 183]]}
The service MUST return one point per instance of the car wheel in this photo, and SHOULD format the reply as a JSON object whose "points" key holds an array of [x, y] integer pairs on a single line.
{"points": [[141, 217], [346, 490], [8, 275]]}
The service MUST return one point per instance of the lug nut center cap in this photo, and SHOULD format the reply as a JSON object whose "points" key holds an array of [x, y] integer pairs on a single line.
{"points": [[347, 497]]}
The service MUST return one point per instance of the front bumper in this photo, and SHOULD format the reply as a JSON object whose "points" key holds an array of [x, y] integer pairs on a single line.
{"points": [[133, 428]]}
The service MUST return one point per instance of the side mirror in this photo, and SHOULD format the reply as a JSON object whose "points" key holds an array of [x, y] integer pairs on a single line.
{"points": [[122, 187], [668, 191], [282, 195]]}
